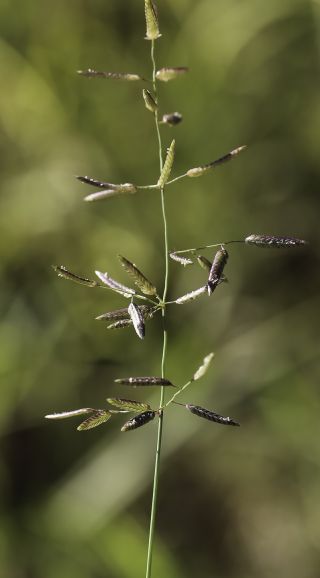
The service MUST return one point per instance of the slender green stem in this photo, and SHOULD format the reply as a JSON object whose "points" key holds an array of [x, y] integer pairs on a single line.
{"points": [[195, 249], [165, 340]]}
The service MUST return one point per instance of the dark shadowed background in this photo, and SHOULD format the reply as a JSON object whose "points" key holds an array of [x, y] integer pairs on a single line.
{"points": [[241, 503]]}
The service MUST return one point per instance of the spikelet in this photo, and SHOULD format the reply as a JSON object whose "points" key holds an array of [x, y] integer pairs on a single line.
{"points": [[204, 263], [63, 272], [172, 119], [210, 415], [67, 414], [90, 73], [202, 370], [139, 279], [165, 74], [149, 100], [144, 381], [145, 310], [97, 418], [114, 285], [95, 182], [219, 262], [139, 420], [182, 260], [271, 241], [128, 404], [199, 171], [191, 296], [115, 191], [120, 324], [165, 173], [137, 320], [152, 24]]}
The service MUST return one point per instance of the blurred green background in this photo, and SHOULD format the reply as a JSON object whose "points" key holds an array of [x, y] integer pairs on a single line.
{"points": [[242, 503]]}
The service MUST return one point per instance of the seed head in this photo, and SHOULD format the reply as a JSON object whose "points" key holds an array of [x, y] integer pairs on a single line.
{"points": [[199, 171], [139, 420], [139, 279], [165, 173], [165, 74], [137, 320], [144, 381], [152, 24], [219, 263], [63, 272], [149, 101], [271, 241], [90, 73], [114, 285], [210, 415], [172, 119], [182, 260], [128, 404], [191, 296]]}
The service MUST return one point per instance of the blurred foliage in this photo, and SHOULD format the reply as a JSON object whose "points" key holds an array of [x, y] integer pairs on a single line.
{"points": [[232, 503]]}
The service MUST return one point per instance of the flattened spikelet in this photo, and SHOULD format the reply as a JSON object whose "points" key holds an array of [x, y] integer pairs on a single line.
{"points": [[137, 320], [199, 171], [128, 404], [202, 370], [63, 272], [97, 418], [165, 74], [217, 267], [145, 310], [144, 381], [114, 285], [182, 260], [95, 182], [210, 415], [67, 414], [139, 279], [149, 100], [271, 241], [166, 171], [191, 296], [121, 324], [139, 420], [204, 263], [152, 24], [172, 119], [90, 73]]}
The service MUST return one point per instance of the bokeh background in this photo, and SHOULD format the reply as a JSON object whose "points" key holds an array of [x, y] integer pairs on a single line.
{"points": [[243, 502]]}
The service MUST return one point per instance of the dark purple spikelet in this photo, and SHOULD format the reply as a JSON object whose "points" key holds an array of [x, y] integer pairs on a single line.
{"points": [[272, 241], [139, 420], [217, 267], [211, 415], [143, 381]]}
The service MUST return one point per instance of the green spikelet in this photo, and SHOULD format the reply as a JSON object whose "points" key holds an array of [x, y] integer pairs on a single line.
{"points": [[149, 101], [63, 272], [139, 279], [128, 404], [165, 173], [97, 418], [152, 24]]}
